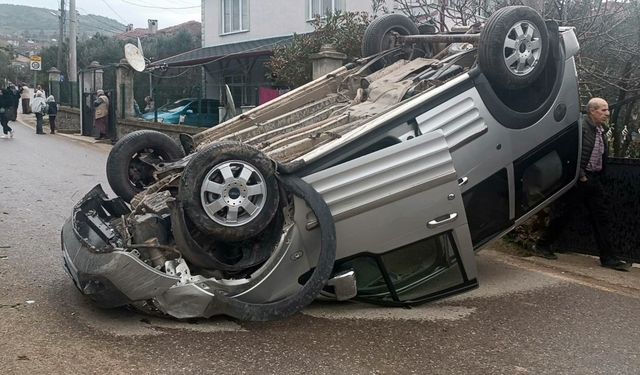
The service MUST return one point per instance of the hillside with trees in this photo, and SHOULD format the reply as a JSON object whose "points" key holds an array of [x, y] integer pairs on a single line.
{"points": [[41, 24]]}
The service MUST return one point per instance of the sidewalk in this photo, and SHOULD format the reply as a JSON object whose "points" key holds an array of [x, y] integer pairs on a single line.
{"points": [[579, 267], [30, 121]]}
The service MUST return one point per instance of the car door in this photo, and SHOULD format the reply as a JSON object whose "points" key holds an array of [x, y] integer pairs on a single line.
{"points": [[192, 113], [400, 221]]}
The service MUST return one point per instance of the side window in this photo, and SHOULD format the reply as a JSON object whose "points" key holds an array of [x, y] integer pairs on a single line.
{"points": [[487, 207], [235, 16], [322, 8], [409, 274], [541, 173]]}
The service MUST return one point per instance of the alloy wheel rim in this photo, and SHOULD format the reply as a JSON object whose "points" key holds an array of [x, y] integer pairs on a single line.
{"points": [[522, 48], [233, 193]]}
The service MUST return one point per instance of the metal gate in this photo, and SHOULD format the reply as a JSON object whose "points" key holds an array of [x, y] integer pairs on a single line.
{"points": [[621, 183]]}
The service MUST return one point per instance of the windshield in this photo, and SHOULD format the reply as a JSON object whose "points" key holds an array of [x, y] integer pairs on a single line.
{"points": [[175, 106]]}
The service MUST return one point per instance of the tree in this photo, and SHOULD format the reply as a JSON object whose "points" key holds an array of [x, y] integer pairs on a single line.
{"points": [[290, 65]]}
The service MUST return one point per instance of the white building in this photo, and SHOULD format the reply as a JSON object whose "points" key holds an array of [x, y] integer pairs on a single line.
{"points": [[238, 37]]}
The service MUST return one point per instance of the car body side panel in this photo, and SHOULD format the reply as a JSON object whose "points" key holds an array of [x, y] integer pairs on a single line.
{"points": [[392, 193], [459, 119]]}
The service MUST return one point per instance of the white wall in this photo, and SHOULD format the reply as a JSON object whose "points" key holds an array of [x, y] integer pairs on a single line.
{"points": [[267, 18]]}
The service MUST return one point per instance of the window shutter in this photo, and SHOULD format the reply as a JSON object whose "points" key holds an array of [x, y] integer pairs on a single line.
{"points": [[245, 14], [221, 24], [307, 9], [341, 5]]}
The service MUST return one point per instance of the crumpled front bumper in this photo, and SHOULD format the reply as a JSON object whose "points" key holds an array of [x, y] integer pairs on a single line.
{"points": [[113, 276]]}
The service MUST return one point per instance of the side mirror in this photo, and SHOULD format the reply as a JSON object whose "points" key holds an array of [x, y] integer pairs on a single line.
{"points": [[189, 111]]}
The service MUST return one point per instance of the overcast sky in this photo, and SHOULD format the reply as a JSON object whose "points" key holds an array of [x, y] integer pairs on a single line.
{"points": [[137, 12]]}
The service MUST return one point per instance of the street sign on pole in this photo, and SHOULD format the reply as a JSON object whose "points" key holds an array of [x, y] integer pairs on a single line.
{"points": [[35, 63]]}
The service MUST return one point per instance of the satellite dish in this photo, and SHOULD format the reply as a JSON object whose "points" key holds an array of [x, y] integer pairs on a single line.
{"points": [[134, 56]]}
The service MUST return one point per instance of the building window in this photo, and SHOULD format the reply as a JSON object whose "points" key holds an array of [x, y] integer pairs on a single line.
{"points": [[322, 8], [235, 16]]}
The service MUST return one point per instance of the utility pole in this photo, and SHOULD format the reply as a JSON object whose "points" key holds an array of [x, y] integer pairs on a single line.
{"points": [[73, 59], [61, 37]]}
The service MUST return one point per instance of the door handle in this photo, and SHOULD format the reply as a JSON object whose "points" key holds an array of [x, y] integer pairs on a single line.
{"points": [[463, 181], [442, 220]]}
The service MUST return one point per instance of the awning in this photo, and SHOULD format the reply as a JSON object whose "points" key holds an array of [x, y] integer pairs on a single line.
{"points": [[213, 53]]}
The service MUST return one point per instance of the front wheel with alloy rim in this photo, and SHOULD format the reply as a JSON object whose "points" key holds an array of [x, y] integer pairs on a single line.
{"points": [[513, 47], [229, 190]]}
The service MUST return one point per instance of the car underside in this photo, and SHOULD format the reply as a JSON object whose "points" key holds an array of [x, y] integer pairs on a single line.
{"points": [[376, 182]]}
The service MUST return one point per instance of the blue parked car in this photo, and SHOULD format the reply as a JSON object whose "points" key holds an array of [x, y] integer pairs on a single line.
{"points": [[188, 111]]}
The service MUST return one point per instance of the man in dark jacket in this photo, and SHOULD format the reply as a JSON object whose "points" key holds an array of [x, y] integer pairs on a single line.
{"points": [[52, 111], [589, 190], [14, 95], [5, 104]]}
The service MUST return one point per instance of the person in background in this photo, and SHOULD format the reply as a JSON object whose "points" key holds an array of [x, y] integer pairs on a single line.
{"points": [[101, 122], [14, 96], [25, 96], [589, 190], [52, 111], [39, 107], [4, 120], [149, 104]]}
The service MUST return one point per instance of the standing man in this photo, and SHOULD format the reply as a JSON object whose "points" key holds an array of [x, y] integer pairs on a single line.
{"points": [[101, 122], [39, 107], [25, 95], [5, 103], [589, 190], [52, 111], [14, 94]]}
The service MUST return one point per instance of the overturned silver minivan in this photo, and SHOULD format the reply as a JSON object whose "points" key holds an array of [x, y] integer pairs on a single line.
{"points": [[376, 182]]}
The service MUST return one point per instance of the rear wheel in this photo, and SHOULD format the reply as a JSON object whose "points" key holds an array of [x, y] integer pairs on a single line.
{"points": [[513, 47], [134, 158], [378, 36]]}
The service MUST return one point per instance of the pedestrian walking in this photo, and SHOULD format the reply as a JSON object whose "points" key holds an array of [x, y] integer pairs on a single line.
{"points": [[39, 107], [5, 102], [589, 190], [25, 96], [101, 122], [52, 111], [14, 95]]}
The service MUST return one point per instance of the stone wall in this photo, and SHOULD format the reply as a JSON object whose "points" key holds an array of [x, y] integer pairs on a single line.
{"points": [[130, 125], [68, 120]]}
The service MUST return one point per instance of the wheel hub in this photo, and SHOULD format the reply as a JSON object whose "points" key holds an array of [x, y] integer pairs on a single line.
{"points": [[233, 193], [522, 48]]}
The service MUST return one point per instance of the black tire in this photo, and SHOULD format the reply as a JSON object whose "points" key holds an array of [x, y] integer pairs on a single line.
{"points": [[290, 305], [126, 173], [494, 56], [233, 194], [377, 35]]}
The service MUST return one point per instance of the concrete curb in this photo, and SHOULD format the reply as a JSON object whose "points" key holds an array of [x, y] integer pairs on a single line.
{"points": [[30, 121], [577, 266]]}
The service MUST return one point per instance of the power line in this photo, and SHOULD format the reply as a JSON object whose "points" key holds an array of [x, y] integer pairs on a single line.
{"points": [[104, 24], [98, 19], [116, 13], [157, 7]]}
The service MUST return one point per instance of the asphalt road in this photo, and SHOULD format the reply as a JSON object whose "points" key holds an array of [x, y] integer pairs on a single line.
{"points": [[528, 317]]}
